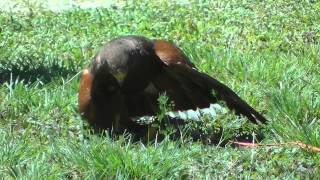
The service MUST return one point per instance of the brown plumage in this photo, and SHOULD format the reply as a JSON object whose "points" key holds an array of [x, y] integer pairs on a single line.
{"points": [[125, 78]]}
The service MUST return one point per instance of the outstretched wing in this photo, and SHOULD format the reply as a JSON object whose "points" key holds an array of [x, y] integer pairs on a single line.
{"points": [[191, 89]]}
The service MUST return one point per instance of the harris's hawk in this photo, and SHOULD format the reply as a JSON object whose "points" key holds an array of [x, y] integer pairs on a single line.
{"points": [[125, 78]]}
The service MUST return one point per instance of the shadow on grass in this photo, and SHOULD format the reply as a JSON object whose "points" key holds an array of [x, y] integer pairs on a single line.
{"points": [[31, 72], [180, 130]]}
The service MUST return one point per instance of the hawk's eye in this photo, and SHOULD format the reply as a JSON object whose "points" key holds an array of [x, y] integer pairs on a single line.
{"points": [[111, 88]]}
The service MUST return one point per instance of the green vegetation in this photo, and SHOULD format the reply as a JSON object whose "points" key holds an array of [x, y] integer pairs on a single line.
{"points": [[267, 51]]}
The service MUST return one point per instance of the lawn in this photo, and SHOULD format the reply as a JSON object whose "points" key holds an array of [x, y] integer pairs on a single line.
{"points": [[266, 51]]}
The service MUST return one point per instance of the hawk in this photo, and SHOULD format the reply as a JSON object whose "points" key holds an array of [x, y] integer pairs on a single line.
{"points": [[126, 77]]}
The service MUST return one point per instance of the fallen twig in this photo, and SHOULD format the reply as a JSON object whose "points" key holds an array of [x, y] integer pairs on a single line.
{"points": [[293, 143]]}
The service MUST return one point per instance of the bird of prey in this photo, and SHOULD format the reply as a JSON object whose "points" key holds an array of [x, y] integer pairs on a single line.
{"points": [[126, 77]]}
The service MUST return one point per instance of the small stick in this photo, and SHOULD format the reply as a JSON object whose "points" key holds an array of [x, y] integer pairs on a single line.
{"points": [[294, 143]]}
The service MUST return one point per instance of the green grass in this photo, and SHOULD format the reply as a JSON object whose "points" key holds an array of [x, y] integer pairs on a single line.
{"points": [[267, 51]]}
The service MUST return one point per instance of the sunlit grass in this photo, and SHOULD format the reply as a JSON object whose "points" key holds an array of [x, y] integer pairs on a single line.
{"points": [[268, 52]]}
